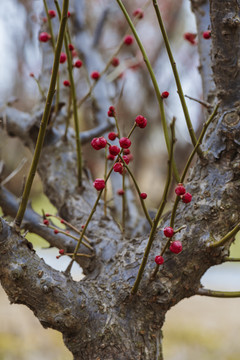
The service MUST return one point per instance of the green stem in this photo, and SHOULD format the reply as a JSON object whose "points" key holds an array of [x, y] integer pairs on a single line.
{"points": [[231, 259], [176, 76], [226, 238], [158, 215], [155, 84], [74, 101], [219, 294], [44, 121], [204, 129], [53, 46]]}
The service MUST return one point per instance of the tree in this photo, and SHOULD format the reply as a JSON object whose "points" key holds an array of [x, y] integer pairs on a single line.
{"points": [[117, 311]]}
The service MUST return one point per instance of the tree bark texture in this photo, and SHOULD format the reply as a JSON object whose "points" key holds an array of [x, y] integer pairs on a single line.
{"points": [[98, 317]]}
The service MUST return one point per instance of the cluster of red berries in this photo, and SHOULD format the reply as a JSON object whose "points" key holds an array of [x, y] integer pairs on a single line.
{"points": [[175, 246], [181, 191]]}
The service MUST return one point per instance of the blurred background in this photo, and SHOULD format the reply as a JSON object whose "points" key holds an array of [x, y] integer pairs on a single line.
{"points": [[203, 328]]}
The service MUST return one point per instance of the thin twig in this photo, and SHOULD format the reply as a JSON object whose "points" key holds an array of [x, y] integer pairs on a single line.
{"points": [[14, 172], [219, 294]]}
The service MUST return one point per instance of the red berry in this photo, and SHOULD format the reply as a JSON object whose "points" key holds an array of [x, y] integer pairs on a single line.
{"points": [[121, 192], [159, 260], [143, 196], [51, 13], [44, 37], [114, 150], [63, 58], [180, 189], [138, 13], [99, 143], [71, 47], [130, 157], [207, 34], [141, 121], [56, 231], [66, 83], [68, 14], [46, 222], [115, 61], [125, 142], [31, 74], [187, 198], [112, 136], [126, 159], [176, 247], [83, 226], [78, 64], [47, 214], [118, 167], [57, 257], [128, 40], [61, 252], [111, 157], [165, 95], [111, 111], [95, 75], [99, 184], [168, 231], [126, 151], [190, 37]]}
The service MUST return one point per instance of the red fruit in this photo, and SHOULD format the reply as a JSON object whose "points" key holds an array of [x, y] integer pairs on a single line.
{"points": [[62, 221], [118, 167], [51, 13], [126, 159], [99, 184], [141, 121], [31, 74], [128, 40], [44, 37], [187, 198], [159, 260], [61, 252], [207, 34], [47, 214], [114, 150], [130, 157], [165, 95], [68, 14], [176, 247], [115, 61], [121, 192], [99, 143], [95, 75], [143, 196], [138, 13], [190, 37], [66, 83], [46, 222], [83, 226], [168, 231], [126, 151], [111, 157], [180, 189], [57, 257], [125, 143], [56, 231], [78, 63], [63, 58], [71, 47], [112, 136], [111, 111]]}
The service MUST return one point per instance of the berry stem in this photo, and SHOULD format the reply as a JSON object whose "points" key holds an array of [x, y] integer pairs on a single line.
{"points": [[219, 294], [74, 102], [53, 46], [177, 79], [226, 238], [231, 259], [204, 129], [139, 192], [158, 215], [155, 85], [44, 121], [73, 237]]}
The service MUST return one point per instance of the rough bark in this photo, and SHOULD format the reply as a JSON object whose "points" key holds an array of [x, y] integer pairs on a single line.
{"points": [[97, 316]]}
